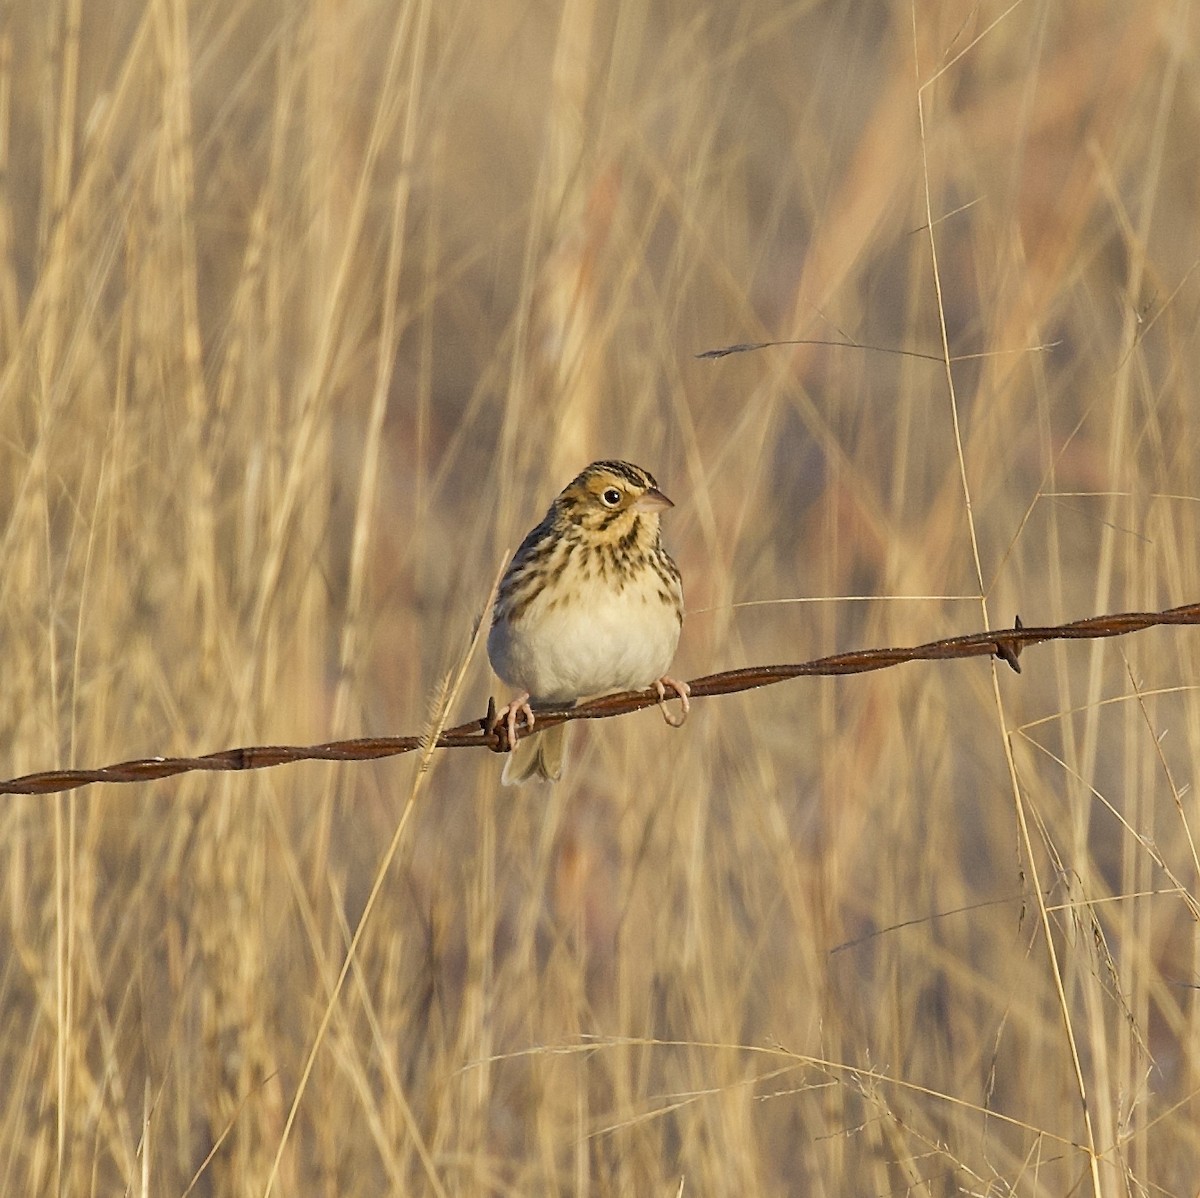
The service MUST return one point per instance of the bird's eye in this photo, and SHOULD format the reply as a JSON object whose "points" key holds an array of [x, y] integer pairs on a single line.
{"points": [[611, 497]]}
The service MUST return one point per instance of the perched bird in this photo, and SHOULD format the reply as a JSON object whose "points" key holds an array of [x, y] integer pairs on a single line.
{"points": [[591, 604]]}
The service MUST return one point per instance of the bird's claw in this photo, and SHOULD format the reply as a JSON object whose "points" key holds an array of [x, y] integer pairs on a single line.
{"points": [[682, 690], [507, 719]]}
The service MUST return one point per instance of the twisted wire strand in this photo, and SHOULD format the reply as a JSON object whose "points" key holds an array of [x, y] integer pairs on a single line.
{"points": [[484, 733]]}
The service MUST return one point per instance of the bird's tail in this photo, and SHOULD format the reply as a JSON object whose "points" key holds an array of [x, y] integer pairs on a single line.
{"points": [[542, 755]]}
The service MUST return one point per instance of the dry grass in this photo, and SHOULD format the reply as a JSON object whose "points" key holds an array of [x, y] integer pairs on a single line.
{"points": [[306, 312]]}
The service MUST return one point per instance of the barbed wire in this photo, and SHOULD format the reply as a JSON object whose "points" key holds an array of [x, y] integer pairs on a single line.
{"points": [[485, 733]]}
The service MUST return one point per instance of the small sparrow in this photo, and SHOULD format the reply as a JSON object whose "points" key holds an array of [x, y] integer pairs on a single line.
{"points": [[591, 604]]}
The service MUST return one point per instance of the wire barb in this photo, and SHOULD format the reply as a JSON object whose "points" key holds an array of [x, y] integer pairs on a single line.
{"points": [[1006, 644], [1008, 650]]}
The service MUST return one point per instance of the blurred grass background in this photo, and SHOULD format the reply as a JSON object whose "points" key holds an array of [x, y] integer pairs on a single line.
{"points": [[306, 313]]}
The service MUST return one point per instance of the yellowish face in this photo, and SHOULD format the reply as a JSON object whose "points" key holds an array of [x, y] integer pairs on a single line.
{"points": [[614, 501]]}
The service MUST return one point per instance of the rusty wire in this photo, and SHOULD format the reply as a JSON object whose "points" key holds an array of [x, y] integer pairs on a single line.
{"points": [[1006, 644]]}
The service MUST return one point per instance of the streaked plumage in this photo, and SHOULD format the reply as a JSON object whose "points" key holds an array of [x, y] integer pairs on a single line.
{"points": [[592, 603]]}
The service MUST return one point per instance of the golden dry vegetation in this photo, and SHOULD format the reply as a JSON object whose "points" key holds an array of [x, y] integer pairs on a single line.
{"points": [[307, 310]]}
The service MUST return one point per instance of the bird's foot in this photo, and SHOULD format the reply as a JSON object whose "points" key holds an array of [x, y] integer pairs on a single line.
{"points": [[682, 690], [507, 718]]}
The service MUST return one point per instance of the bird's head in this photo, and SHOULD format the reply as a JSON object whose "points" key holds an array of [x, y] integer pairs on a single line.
{"points": [[615, 502]]}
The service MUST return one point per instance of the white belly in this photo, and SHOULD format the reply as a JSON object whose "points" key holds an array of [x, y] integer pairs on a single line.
{"points": [[612, 642]]}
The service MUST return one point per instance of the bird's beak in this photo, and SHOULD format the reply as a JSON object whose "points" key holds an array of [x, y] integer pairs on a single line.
{"points": [[653, 501]]}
